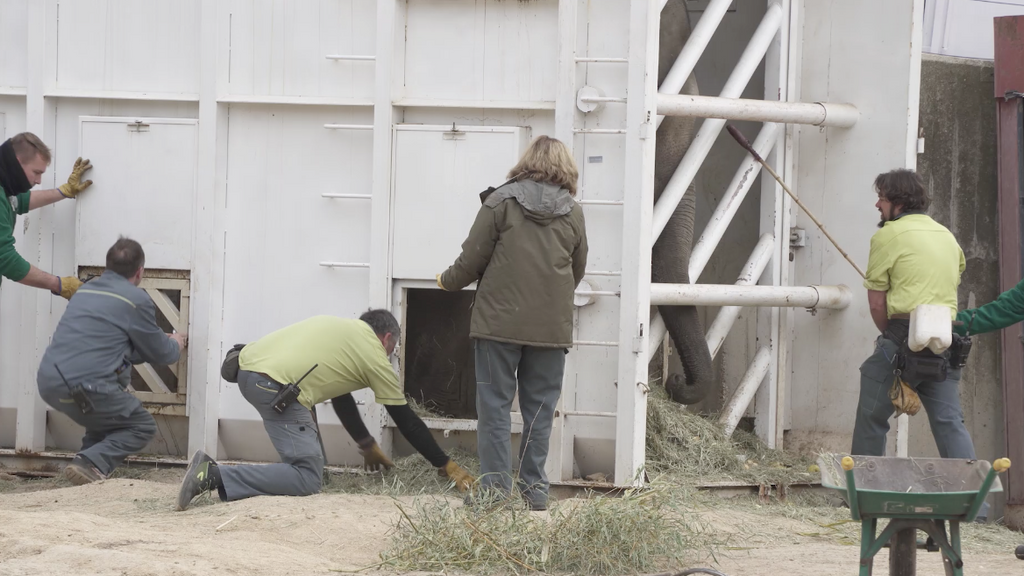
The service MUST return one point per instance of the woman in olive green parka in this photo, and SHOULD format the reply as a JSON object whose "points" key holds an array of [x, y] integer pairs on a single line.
{"points": [[527, 250]]}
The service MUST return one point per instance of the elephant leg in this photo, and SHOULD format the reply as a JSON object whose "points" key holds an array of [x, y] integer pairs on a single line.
{"points": [[670, 262]]}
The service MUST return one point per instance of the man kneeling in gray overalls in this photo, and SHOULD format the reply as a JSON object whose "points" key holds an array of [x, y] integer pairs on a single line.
{"points": [[109, 324]]}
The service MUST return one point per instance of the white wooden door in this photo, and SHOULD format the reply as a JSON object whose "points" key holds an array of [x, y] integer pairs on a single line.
{"points": [[438, 177], [144, 186]]}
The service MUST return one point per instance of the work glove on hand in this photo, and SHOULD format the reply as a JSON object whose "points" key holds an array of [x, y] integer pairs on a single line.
{"points": [[463, 480], [439, 285], [75, 185], [904, 398], [373, 457], [68, 286]]}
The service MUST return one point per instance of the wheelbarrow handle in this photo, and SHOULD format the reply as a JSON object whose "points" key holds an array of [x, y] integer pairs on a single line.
{"points": [[851, 487], [1000, 465]]}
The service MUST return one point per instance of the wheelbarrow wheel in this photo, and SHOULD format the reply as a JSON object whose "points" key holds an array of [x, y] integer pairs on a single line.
{"points": [[903, 553]]}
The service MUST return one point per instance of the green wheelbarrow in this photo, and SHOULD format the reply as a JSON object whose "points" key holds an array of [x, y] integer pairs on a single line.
{"points": [[914, 494]]}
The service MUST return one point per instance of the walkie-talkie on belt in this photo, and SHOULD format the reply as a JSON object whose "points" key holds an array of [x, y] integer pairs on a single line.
{"points": [[77, 394], [288, 394]]}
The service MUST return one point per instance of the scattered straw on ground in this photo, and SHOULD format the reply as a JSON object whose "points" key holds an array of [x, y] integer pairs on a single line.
{"points": [[643, 530]]}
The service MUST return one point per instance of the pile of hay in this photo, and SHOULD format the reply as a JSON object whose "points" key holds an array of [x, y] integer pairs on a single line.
{"points": [[641, 531], [692, 449]]}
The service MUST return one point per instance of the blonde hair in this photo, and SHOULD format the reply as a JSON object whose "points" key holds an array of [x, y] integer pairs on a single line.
{"points": [[547, 160], [26, 145]]}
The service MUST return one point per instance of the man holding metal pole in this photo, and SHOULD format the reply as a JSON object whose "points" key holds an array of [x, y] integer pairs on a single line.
{"points": [[23, 160], [284, 375]]}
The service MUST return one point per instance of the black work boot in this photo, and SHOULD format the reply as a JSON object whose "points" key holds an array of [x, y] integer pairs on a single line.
{"points": [[201, 476], [81, 471]]}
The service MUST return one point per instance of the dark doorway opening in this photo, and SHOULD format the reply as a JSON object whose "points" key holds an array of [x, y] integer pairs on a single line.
{"points": [[439, 370]]}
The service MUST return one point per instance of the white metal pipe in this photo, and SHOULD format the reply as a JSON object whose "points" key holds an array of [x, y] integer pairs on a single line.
{"points": [[600, 202], [710, 128], [730, 203], [349, 126], [348, 196], [612, 99], [599, 130], [595, 343], [752, 270], [603, 273], [812, 113], [602, 60], [587, 413], [695, 45], [345, 264], [596, 293], [749, 384], [358, 57], [827, 297]]}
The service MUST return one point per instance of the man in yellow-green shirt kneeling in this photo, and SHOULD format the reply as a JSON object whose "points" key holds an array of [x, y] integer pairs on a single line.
{"points": [[345, 355]]}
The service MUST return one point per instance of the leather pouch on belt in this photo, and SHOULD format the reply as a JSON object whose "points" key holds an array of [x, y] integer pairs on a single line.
{"points": [[904, 398]]}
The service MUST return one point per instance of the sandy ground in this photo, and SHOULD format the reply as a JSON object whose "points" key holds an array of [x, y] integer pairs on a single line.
{"points": [[128, 527]]}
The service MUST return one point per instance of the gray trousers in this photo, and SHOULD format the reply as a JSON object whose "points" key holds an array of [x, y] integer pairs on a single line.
{"points": [[295, 438], [540, 384], [941, 401], [117, 427]]}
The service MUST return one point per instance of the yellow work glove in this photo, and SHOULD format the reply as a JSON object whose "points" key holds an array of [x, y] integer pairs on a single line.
{"points": [[463, 480], [68, 286], [439, 285], [75, 185], [374, 458], [904, 398]]}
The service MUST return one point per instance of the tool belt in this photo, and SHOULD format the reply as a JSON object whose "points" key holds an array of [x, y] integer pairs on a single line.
{"points": [[925, 365]]}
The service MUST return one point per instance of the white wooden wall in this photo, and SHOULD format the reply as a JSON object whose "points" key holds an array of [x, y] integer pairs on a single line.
{"points": [[255, 75]]}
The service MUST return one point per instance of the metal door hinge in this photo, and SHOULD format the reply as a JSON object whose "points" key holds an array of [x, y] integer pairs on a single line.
{"points": [[797, 237], [138, 126]]}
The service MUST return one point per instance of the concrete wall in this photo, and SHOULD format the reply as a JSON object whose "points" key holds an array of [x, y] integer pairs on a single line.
{"points": [[958, 117]]}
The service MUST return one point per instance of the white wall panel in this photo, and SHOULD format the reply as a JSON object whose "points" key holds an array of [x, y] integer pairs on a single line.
{"points": [[279, 228], [13, 43], [128, 45], [278, 47], [481, 50], [12, 121], [146, 174]]}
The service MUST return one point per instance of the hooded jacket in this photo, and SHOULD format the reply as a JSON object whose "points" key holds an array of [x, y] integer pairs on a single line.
{"points": [[528, 250]]}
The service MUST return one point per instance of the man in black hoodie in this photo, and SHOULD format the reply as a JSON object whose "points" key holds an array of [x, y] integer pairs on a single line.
{"points": [[23, 160]]}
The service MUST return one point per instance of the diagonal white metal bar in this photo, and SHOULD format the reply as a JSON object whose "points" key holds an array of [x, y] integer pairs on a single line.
{"points": [[716, 227], [752, 270], [748, 109], [165, 305], [695, 45], [708, 133], [749, 384], [730, 203], [827, 297], [156, 384]]}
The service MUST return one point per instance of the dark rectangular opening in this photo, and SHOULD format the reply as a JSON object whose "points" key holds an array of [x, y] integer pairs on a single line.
{"points": [[438, 358]]}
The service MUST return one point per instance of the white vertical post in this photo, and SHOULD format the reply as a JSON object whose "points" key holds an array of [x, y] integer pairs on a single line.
{"points": [[203, 403], [775, 209], [565, 92], [380, 217], [913, 106], [30, 429], [634, 316]]}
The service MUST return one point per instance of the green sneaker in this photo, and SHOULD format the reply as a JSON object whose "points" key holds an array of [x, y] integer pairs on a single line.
{"points": [[201, 476]]}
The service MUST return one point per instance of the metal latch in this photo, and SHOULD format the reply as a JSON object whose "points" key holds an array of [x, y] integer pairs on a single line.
{"points": [[453, 134], [797, 237], [138, 126]]}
